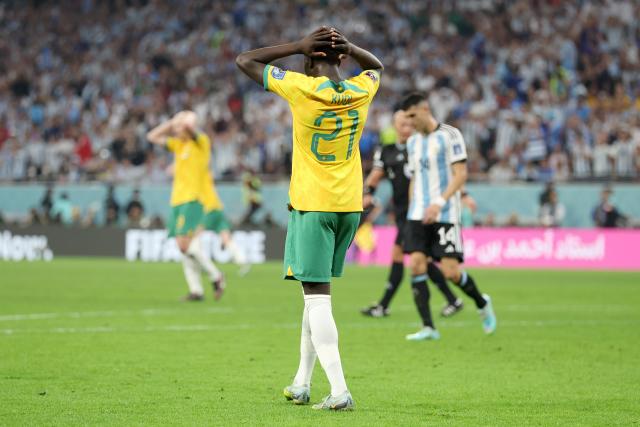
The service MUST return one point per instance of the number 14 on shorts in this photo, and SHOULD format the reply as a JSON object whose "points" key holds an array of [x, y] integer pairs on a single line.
{"points": [[449, 234]]}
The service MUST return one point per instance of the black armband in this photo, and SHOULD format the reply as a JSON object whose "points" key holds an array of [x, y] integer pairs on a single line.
{"points": [[368, 189]]}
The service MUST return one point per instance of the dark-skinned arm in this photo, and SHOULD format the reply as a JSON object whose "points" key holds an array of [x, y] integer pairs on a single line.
{"points": [[252, 63], [364, 58]]}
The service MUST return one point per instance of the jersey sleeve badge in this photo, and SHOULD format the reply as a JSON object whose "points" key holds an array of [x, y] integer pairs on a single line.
{"points": [[277, 73], [372, 75]]}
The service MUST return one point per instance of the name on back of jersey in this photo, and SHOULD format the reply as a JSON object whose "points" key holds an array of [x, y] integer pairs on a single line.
{"points": [[341, 99]]}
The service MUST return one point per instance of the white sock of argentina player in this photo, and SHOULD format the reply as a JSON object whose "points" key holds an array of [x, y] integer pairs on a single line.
{"points": [[307, 351], [195, 251], [324, 336], [192, 275]]}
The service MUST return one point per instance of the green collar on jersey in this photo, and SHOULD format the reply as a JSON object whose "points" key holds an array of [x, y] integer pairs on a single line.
{"points": [[340, 86]]}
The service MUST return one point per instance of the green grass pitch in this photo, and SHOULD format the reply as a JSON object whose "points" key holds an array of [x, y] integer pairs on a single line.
{"points": [[106, 342]]}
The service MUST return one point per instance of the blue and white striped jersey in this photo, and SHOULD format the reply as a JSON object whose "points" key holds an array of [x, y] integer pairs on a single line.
{"points": [[430, 159]]}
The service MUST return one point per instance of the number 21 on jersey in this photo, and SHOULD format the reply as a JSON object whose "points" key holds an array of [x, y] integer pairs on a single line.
{"points": [[447, 236], [317, 137]]}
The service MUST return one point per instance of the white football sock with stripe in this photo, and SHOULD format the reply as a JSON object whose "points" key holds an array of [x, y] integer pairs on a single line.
{"points": [[307, 352], [195, 250], [324, 336], [192, 275]]}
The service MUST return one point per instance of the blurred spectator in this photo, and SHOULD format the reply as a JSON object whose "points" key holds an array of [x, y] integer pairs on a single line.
{"points": [[490, 220], [89, 220], [581, 156], [4, 131], [605, 214], [34, 218], [501, 172], [552, 212], [469, 209], [112, 208], [135, 210], [62, 210], [545, 173], [13, 161], [559, 164], [156, 222], [519, 79], [602, 156], [513, 220], [624, 152], [46, 204], [252, 190], [545, 196]]}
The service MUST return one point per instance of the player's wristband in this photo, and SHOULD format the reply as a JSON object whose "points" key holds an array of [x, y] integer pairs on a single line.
{"points": [[440, 201], [369, 190]]}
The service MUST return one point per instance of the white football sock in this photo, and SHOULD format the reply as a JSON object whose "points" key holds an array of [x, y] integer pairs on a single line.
{"points": [[237, 255], [324, 336], [192, 274], [307, 352], [195, 250]]}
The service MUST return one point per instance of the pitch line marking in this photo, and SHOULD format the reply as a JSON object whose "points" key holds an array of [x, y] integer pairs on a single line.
{"points": [[283, 326], [123, 313]]}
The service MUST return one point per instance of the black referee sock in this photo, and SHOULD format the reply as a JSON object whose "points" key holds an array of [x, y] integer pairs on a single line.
{"points": [[438, 278], [421, 298], [468, 286], [393, 283]]}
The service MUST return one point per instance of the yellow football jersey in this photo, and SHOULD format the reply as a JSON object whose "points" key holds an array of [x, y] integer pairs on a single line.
{"points": [[328, 119], [191, 166], [209, 199]]}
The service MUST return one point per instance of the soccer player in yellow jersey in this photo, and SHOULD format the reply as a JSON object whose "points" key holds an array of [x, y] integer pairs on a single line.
{"points": [[215, 220], [325, 193], [192, 150]]}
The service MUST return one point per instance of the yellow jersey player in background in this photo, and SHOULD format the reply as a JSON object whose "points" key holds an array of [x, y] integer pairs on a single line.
{"points": [[215, 220], [192, 152], [325, 193]]}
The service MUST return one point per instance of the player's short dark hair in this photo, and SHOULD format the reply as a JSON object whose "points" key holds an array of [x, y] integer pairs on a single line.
{"points": [[412, 99], [332, 57]]}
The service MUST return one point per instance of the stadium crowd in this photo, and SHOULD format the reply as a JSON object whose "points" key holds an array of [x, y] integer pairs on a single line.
{"points": [[545, 90]]}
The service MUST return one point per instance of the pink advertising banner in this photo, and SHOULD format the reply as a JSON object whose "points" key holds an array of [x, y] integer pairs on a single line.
{"points": [[595, 249]]}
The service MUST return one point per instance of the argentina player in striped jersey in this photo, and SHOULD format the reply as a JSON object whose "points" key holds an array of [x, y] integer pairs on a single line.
{"points": [[437, 159], [391, 161]]}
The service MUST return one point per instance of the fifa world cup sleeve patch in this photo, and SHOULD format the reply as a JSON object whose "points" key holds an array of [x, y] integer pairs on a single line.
{"points": [[457, 149], [277, 73], [372, 75]]}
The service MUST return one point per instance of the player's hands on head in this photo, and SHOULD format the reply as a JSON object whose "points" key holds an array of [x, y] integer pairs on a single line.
{"points": [[184, 121], [190, 120], [339, 42], [314, 44]]}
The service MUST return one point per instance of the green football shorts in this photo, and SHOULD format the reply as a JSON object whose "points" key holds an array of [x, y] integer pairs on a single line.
{"points": [[317, 244], [215, 221], [185, 219]]}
